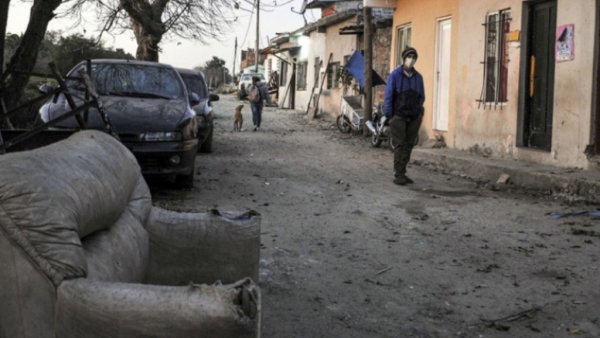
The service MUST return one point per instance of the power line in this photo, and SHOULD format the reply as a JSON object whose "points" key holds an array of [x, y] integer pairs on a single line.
{"points": [[247, 28]]}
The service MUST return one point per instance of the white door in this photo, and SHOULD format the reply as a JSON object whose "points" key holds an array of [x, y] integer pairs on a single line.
{"points": [[441, 103]]}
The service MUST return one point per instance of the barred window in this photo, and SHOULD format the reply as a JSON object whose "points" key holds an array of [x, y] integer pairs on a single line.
{"points": [[496, 58], [283, 73], [317, 70], [332, 75], [301, 75]]}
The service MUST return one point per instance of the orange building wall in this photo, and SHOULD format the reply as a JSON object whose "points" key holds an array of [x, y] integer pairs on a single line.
{"points": [[423, 16]]}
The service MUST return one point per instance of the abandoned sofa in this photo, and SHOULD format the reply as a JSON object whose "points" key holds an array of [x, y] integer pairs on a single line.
{"points": [[83, 253]]}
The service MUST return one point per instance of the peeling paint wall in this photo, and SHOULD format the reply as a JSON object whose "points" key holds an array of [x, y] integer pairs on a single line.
{"points": [[487, 128], [382, 45], [340, 46], [493, 129], [314, 46], [573, 87]]}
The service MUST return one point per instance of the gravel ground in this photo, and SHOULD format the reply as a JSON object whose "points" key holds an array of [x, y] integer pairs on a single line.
{"points": [[346, 253]]}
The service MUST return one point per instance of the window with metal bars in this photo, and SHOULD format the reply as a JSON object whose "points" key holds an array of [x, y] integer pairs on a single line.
{"points": [[283, 73], [301, 75], [332, 75], [317, 70], [495, 63]]}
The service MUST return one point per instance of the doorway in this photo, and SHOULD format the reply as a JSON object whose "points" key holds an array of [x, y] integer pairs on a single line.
{"points": [[441, 103], [538, 81]]}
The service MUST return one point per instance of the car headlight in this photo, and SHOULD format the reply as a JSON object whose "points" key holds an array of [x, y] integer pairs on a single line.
{"points": [[161, 136]]}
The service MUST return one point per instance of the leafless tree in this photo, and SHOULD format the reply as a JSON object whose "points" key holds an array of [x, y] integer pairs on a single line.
{"points": [[150, 20], [23, 60]]}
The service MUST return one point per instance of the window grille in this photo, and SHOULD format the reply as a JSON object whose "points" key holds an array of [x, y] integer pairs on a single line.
{"points": [[332, 75], [301, 77], [495, 63], [317, 70], [269, 67], [283, 73]]}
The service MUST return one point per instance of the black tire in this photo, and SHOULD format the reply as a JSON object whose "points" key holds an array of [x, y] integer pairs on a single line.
{"points": [[186, 181], [376, 140], [206, 146], [343, 124]]}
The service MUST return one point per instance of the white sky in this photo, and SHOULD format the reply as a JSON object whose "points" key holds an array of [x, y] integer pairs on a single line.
{"points": [[186, 53]]}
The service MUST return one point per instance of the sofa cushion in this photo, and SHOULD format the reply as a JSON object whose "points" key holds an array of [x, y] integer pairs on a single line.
{"points": [[120, 253], [53, 196]]}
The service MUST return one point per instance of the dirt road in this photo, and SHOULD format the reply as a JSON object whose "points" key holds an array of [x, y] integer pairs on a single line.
{"points": [[345, 253]]}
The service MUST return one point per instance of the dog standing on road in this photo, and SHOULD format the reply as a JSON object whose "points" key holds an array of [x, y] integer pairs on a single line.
{"points": [[238, 120]]}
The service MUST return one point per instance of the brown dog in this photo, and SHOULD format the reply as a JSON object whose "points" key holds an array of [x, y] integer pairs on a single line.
{"points": [[238, 120]]}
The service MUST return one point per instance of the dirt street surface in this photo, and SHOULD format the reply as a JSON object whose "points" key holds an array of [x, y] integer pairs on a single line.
{"points": [[346, 253]]}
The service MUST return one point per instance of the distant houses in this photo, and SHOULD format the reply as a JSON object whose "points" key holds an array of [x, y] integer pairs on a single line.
{"points": [[505, 78]]}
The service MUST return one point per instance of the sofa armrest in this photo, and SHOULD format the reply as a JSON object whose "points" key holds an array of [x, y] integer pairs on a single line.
{"points": [[202, 247], [91, 308]]}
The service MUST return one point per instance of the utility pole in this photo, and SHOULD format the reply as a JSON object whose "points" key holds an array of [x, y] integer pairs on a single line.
{"points": [[234, 56], [368, 44], [257, 34]]}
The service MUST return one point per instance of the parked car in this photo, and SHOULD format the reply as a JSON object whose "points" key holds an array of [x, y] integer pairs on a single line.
{"points": [[148, 106], [202, 99], [245, 80]]}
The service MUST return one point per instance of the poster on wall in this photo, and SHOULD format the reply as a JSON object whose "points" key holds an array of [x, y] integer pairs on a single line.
{"points": [[565, 43]]}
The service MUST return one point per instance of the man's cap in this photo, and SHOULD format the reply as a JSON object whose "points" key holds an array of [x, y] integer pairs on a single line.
{"points": [[410, 51]]}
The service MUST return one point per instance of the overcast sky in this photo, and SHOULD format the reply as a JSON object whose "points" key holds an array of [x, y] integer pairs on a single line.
{"points": [[187, 53]]}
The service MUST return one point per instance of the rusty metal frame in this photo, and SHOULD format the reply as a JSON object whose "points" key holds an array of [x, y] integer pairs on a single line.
{"points": [[91, 100]]}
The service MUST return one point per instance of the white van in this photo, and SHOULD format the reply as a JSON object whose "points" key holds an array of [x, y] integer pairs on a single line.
{"points": [[245, 80]]}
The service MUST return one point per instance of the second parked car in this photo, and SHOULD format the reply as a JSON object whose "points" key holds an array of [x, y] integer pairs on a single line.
{"points": [[200, 99]]}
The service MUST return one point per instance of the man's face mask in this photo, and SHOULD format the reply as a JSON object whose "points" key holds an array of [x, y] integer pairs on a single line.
{"points": [[409, 61]]}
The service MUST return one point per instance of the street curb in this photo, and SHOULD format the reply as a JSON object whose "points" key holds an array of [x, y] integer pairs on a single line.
{"points": [[570, 184]]}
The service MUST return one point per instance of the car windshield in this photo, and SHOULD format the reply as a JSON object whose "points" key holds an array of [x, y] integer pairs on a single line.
{"points": [[195, 84], [133, 80]]}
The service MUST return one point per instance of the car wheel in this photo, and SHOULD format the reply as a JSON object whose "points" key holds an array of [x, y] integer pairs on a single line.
{"points": [[376, 140], [206, 146], [186, 181]]}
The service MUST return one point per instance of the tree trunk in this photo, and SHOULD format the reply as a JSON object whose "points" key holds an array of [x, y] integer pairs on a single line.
{"points": [[147, 41], [148, 28], [42, 11], [3, 21]]}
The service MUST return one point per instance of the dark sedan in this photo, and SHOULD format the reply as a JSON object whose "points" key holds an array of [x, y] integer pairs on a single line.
{"points": [[201, 100], [148, 105]]}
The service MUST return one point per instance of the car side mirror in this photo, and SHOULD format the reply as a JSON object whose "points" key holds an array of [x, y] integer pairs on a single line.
{"points": [[194, 99], [213, 97]]}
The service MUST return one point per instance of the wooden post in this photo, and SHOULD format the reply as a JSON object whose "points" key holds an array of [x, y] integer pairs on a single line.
{"points": [[234, 57], [368, 44], [257, 35]]}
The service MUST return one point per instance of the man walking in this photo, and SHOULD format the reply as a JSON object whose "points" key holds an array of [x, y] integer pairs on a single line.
{"points": [[258, 93], [403, 107]]}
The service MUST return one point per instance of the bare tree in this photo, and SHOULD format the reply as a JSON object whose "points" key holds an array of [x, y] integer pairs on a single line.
{"points": [[23, 60], [150, 20], [3, 20]]}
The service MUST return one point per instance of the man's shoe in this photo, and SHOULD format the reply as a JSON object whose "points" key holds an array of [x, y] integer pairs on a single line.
{"points": [[401, 180], [408, 180], [254, 128]]}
